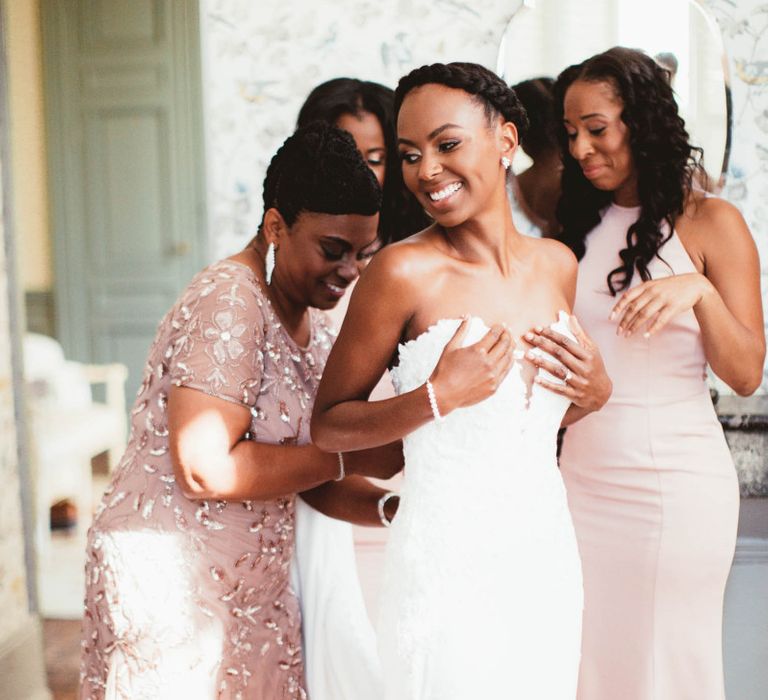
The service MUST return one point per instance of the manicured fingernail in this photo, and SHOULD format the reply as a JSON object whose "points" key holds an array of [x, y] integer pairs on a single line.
{"points": [[612, 316], [529, 336], [538, 329], [646, 335], [530, 355]]}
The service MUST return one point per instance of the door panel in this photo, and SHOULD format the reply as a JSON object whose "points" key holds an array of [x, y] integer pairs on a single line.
{"points": [[129, 191], [124, 112], [126, 339], [110, 24]]}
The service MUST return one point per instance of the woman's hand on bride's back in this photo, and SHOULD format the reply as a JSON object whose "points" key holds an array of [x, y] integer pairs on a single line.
{"points": [[467, 375]]}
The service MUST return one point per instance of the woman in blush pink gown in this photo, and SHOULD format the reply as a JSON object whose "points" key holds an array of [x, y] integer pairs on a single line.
{"points": [[188, 586], [668, 283]]}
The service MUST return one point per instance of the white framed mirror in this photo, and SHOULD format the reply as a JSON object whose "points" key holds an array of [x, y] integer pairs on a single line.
{"points": [[545, 36]]}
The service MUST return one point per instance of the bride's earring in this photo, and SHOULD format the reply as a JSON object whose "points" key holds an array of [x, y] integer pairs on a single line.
{"points": [[506, 162], [269, 263]]}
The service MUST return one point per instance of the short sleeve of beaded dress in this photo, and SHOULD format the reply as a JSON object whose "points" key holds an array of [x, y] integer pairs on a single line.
{"points": [[219, 349]]}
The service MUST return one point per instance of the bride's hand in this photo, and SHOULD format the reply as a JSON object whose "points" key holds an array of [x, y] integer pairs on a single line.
{"points": [[579, 365], [467, 375]]}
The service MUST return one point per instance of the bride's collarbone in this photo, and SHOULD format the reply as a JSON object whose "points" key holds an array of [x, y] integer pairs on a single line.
{"points": [[521, 303], [518, 318]]}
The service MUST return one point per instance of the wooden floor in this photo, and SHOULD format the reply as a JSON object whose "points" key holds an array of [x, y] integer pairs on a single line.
{"points": [[61, 640]]}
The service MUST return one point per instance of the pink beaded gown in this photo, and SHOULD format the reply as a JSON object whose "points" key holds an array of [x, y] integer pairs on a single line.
{"points": [[191, 599], [654, 497]]}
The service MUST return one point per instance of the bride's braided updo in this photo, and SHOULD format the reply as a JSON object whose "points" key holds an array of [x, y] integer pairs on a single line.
{"points": [[490, 91]]}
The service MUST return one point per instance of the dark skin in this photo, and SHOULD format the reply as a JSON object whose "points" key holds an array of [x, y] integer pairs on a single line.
{"points": [[317, 258], [472, 261], [369, 137], [724, 292], [540, 190]]}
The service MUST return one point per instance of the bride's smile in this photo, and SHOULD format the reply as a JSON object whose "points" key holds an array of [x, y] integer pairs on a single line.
{"points": [[450, 156]]}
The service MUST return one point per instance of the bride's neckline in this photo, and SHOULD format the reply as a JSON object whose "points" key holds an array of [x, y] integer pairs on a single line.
{"points": [[634, 209], [562, 319]]}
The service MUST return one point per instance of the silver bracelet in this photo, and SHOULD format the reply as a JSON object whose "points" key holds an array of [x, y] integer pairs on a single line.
{"points": [[383, 502], [342, 473], [433, 401]]}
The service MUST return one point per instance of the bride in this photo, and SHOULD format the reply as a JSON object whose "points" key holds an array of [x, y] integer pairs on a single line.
{"points": [[482, 588]]}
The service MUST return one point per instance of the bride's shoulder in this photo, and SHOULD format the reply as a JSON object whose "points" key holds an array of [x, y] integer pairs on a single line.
{"points": [[405, 261], [557, 266]]}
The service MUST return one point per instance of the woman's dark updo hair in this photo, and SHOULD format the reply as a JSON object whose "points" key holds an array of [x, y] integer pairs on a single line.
{"points": [[401, 214], [664, 160], [490, 91], [539, 103], [319, 169]]}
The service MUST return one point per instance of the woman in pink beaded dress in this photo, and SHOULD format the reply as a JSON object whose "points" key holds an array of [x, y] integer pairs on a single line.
{"points": [[669, 281], [187, 578]]}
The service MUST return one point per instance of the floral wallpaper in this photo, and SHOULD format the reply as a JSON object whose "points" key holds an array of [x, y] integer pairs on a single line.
{"points": [[261, 59]]}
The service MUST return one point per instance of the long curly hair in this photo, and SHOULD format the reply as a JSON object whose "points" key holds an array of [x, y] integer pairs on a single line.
{"points": [[490, 91], [665, 161], [401, 214]]}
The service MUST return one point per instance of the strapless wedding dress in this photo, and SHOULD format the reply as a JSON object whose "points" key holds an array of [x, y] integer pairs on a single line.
{"points": [[482, 592]]}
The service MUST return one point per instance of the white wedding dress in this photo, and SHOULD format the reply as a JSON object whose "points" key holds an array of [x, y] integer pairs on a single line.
{"points": [[482, 592], [340, 659]]}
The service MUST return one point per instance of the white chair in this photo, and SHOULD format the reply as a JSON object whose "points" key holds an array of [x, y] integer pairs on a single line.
{"points": [[66, 428]]}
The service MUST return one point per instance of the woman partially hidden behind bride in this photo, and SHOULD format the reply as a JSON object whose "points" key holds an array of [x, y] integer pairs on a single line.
{"points": [[482, 591]]}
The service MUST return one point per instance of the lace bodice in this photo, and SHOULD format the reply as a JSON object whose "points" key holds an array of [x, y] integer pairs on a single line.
{"points": [[520, 410]]}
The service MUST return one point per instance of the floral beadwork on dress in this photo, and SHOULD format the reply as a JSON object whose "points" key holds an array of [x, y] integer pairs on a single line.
{"points": [[192, 598]]}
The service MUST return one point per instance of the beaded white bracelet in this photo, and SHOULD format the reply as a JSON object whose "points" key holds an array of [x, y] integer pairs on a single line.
{"points": [[433, 401], [382, 503], [341, 467]]}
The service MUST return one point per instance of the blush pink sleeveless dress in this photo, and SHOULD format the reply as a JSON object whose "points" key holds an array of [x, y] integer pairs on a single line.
{"points": [[654, 498]]}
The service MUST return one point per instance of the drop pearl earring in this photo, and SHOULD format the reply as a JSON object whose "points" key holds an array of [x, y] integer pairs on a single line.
{"points": [[506, 162]]}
